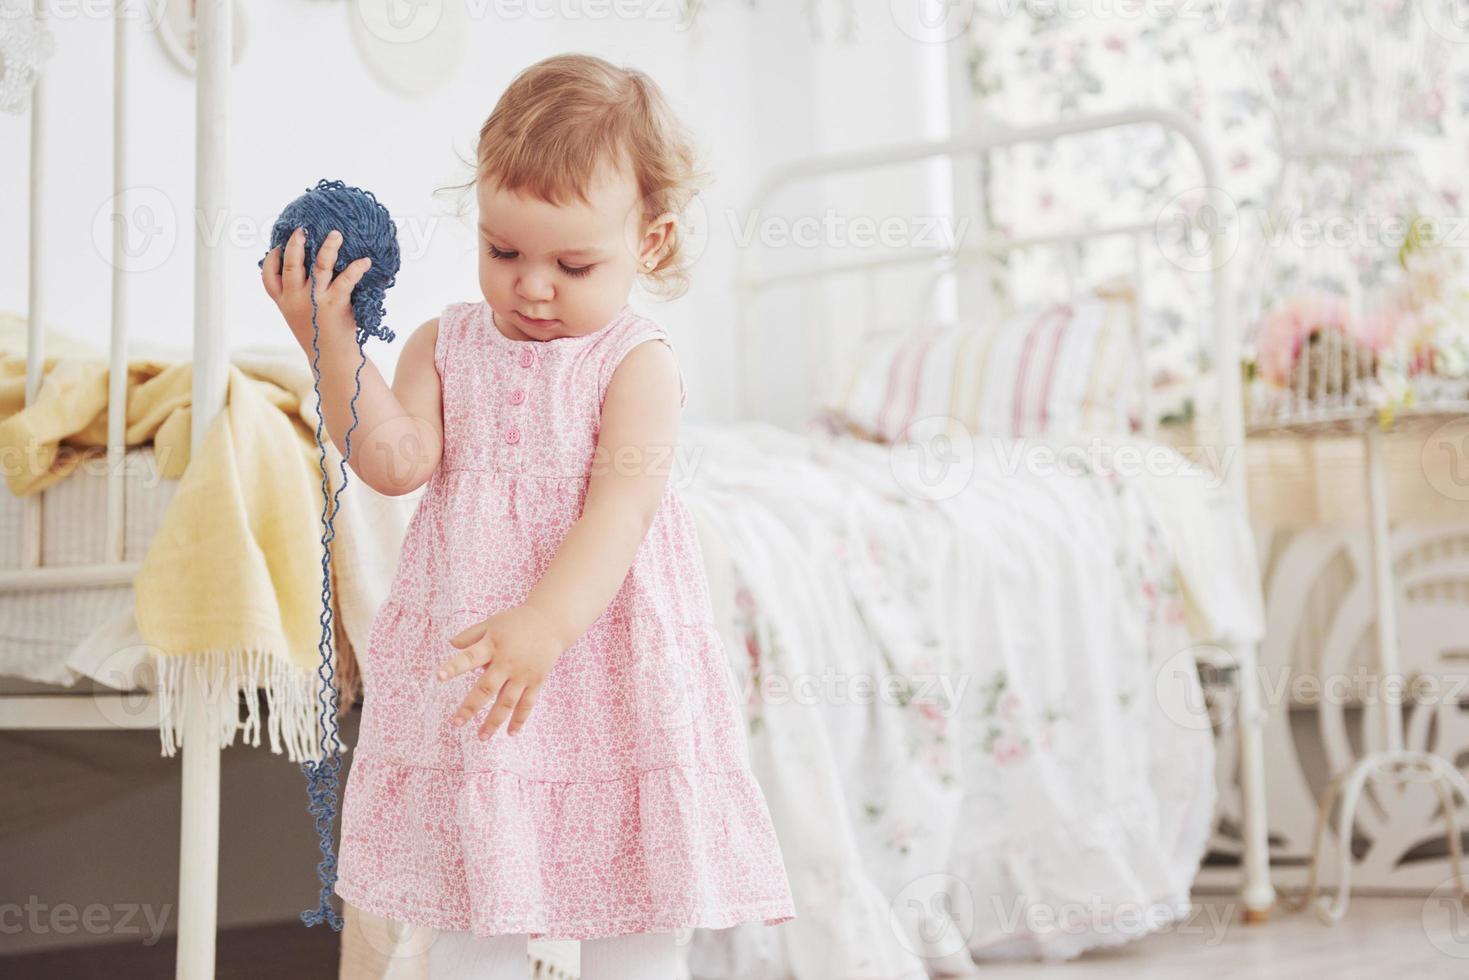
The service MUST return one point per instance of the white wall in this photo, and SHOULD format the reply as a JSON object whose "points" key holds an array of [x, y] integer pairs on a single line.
{"points": [[876, 88], [751, 82]]}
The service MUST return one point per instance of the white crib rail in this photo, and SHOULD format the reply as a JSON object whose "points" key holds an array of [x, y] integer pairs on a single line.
{"points": [[110, 569], [35, 352], [1227, 425]]}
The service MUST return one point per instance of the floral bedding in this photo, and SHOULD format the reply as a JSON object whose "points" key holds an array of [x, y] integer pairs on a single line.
{"points": [[974, 714]]}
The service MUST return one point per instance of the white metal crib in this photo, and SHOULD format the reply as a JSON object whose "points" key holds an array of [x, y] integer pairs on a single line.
{"points": [[199, 823]]}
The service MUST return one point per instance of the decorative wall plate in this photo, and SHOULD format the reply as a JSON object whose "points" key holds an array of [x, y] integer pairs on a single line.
{"points": [[411, 47]]}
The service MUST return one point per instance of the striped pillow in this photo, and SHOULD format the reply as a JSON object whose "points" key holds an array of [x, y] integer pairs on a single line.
{"points": [[1060, 368]]}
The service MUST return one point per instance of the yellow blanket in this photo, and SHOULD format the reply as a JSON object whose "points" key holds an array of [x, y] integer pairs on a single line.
{"points": [[234, 575]]}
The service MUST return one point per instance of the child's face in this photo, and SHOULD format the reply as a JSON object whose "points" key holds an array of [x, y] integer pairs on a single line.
{"points": [[572, 264]]}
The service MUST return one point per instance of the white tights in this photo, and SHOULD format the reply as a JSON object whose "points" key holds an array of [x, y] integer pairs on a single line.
{"points": [[637, 956]]}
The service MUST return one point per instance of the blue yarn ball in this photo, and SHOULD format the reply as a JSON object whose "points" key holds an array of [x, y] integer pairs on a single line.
{"points": [[367, 230]]}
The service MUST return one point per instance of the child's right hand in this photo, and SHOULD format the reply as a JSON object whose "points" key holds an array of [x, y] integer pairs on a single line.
{"points": [[289, 285]]}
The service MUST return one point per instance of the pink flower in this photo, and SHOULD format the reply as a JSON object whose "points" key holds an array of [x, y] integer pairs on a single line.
{"points": [[1009, 750], [1432, 105], [1430, 270], [1287, 327], [1379, 327], [1009, 707]]}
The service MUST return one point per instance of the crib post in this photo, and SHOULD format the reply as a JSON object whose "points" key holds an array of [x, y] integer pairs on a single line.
{"points": [[198, 832], [1257, 894]]}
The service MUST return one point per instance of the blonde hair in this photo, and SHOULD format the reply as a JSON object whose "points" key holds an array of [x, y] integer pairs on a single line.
{"points": [[564, 117]]}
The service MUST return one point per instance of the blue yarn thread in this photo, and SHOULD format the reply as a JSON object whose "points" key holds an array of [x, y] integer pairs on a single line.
{"points": [[367, 230]]}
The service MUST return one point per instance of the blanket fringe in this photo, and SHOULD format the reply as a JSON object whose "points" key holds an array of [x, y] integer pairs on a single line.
{"points": [[223, 676]]}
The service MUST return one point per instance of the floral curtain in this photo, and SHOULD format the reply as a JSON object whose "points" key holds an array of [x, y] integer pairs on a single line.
{"points": [[1255, 75]]}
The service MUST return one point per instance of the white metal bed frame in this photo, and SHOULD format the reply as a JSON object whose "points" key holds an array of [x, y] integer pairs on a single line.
{"points": [[1225, 432], [199, 807], [199, 810]]}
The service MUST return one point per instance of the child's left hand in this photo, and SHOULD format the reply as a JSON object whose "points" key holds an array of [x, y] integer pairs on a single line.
{"points": [[517, 647]]}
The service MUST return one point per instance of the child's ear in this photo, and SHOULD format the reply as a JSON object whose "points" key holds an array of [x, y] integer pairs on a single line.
{"points": [[658, 237]]}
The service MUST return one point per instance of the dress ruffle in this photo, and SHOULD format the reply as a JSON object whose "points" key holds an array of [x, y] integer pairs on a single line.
{"points": [[659, 813], [690, 858]]}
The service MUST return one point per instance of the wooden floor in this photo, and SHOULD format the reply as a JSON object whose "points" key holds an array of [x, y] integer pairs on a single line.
{"points": [[1380, 938], [289, 951]]}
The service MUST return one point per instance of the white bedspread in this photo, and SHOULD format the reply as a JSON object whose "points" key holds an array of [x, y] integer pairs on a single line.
{"points": [[1042, 782]]}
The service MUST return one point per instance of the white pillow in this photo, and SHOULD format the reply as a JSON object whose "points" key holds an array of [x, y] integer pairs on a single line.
{"points": [[1057, 368]]}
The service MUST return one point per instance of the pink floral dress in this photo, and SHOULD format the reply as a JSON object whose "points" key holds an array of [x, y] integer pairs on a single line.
{"points": [[626, 802]]}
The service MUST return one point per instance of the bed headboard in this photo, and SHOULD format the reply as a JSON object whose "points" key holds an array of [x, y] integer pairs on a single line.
{"points": [[1219, 422]]}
